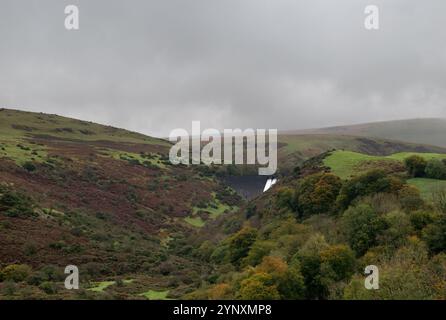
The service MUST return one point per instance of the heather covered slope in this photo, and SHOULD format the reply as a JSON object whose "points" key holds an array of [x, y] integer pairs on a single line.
{"points": [[104, 199]]}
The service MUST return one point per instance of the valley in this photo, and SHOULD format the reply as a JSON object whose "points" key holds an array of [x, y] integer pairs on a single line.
{"points": [[110, 202]]}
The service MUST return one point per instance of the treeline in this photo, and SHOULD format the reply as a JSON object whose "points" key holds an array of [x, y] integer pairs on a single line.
{"points": [[417, 166]]}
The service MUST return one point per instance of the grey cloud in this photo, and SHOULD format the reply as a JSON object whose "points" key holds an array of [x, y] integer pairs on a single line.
{"points": [[152, 66]]}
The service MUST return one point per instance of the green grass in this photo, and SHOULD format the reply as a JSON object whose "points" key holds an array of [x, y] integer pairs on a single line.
{"points": [[101, 286], [142, 159], [195, 221], [311, 145], [156, 295], [427, 186], [428, 156], [214, 210], [347, 163], [21, 152]]}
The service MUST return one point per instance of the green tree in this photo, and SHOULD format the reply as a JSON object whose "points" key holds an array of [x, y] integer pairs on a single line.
{"points": [[435, 235], [240, 244], [309, 259], [259, 249], [415, 165], [372, 182], [285, 198], [259, 286], [361, 226], [317, 194], [436, 169], [338, 262]]}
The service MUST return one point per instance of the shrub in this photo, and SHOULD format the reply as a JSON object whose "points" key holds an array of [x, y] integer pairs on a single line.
{"points": [[436, 169], [420, 219], [29, 166], [48, 287], [15, 204], [410, 198], [435, 235], [16, 272], [415, 165]]}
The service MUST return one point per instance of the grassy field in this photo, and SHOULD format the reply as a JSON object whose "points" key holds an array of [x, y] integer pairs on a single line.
{"points": [[346, 163], [427, 187]]}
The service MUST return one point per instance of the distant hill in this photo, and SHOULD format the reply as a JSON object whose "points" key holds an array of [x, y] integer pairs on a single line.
{"points": [[298, 147], [431, 131]]}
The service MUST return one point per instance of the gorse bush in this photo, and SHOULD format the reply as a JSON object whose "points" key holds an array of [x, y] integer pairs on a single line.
{"points": [[15, 272], [15, 204]]}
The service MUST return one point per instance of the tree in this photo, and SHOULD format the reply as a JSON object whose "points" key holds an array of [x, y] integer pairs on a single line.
{"points": [[435, 235], [398, 229], [416, 166], [259, 249], [240, 244], [362, 225], [436, 169], [372, 182], [338, 262], [317, 193], [285, 198], [259, 286], [309, 259], [219, 291], [410, 198]]}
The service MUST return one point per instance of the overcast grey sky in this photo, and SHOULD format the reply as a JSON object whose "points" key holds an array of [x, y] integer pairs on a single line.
{"points": [[152, 66]]}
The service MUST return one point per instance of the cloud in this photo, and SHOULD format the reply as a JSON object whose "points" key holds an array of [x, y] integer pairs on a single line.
{"points": [[152, 66]]}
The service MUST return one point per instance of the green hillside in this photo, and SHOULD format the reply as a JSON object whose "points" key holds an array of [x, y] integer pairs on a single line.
{"points": [[346, 163], [295, 149]]}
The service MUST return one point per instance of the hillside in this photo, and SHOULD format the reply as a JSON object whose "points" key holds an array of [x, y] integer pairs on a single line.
{"points": [[294, 149], [313, 234], [430, 131], [109, 201], [74, 192]]}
